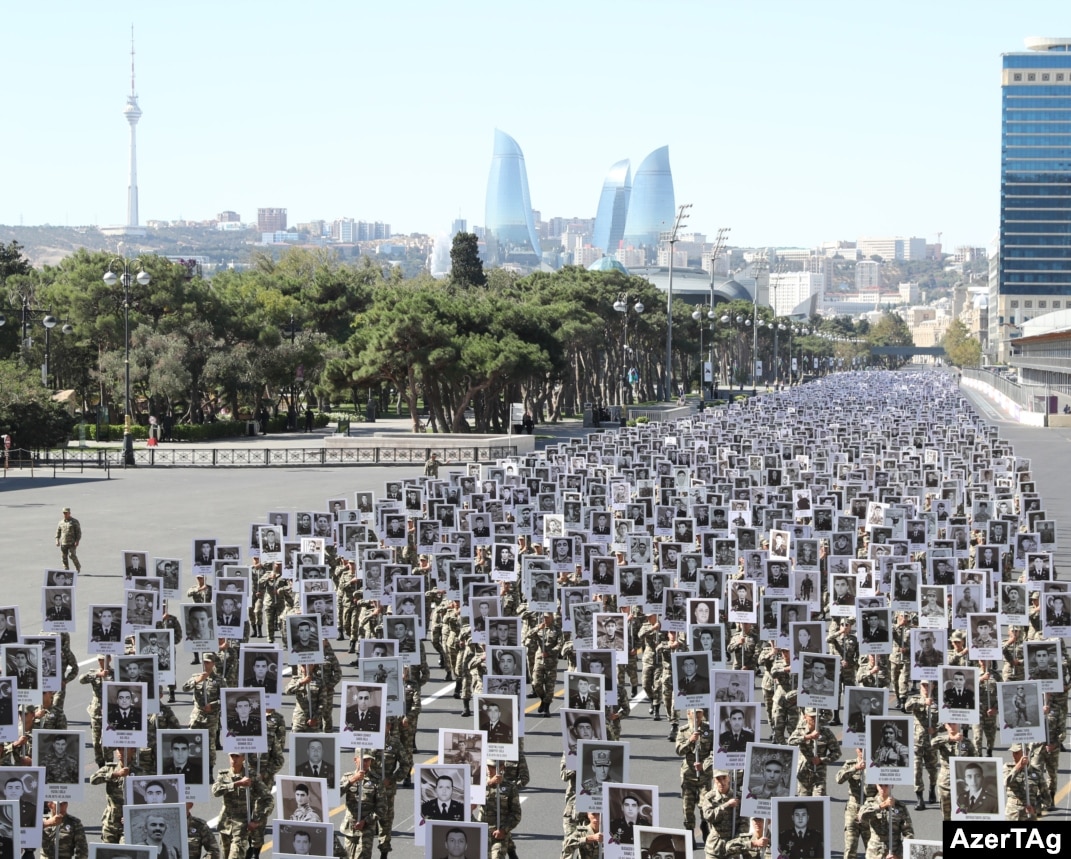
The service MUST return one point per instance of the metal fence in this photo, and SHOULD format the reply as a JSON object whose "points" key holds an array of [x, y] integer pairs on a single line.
{"points": [[64, 459], [1032, 398]]}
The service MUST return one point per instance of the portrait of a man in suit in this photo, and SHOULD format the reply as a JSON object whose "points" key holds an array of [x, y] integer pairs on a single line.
{"points": [[241, 722], [362, 715], [180, 762], [443, 806], [315, 765], [123, 715]]}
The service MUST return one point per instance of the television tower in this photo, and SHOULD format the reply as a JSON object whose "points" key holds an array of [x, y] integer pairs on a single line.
{"points": [[132, 113]]}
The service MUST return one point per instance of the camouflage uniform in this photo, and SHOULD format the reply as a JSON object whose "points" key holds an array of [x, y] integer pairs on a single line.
{"points": [[517, 771], [927, 723], [162, 721], [883, 822], [811, 776], [205, 713], [988, 713], [388, 770], [946, 749], [900, 660], [571, 821], [501, 811], [694, 746], [547, 641], [69, 667], [111, 821], [95, 679], [267, 764], [650, 637], [200, 839], [257, 572], [306, 692], [853, 772], [743, 648], [330, 677], [1025, 787], [785, 710], [767, 684], [723, 818], [242, 806], [364, 806], [65, 840]]}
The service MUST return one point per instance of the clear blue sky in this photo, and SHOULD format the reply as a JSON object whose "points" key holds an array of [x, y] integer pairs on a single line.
{"points": [[791, 122]]}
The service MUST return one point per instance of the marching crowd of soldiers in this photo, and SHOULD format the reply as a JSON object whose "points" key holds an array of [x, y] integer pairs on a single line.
{"points": [[865, 437]]}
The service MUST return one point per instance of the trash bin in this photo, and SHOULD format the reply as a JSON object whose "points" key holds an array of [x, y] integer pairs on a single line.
{"points": [[589, 416], [250, 428]]}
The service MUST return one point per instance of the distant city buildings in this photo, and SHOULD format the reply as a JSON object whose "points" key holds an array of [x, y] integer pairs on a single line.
{"points": [[271, 220], [1031, 274]]}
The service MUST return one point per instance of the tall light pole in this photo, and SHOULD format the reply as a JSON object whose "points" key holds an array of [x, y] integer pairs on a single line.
{"points": [[622, 306], [111, 279], [672, 238], [697, 315], [719, 246], [761, 265]]}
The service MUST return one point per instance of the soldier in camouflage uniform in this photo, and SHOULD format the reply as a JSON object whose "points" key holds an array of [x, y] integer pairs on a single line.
{"points": [[95, 679], [785, 710], [743, 647], [722, 820], [364, 806], [925, 708], [854, 773], [1046, 756], [845, 644], [257, 572], [63, 836], [271, 581], [200, 839], [389, 770], [695, 743], [650, 638], [1014, 667], [952, 744], [169, 621], [305, 687], [69, 667], [767, 685], [988, 712], [889, 822], [819, 747], [753, 844], [900, 660], [247, 807], [585, 840], [113, 776], [1026, 787], [570, 819], [517, 771], [665, 652], [161, 721], [267, 764], [205, 714], [330, 677], [636, 622], [547, 640], [501, 812]]}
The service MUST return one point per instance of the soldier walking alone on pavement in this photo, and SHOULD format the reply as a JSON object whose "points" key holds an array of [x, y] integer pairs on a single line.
{"points": [[68, 536]]}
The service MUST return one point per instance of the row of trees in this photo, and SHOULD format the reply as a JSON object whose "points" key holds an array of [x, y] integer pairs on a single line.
{"points": [[310, 328]]}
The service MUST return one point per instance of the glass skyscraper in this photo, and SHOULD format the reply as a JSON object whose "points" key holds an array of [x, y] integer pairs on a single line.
{"points": [[652, 208], [613, 208], [511, 233], [1033, 271]]}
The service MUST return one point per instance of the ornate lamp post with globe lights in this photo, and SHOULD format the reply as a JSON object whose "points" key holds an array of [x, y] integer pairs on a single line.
{"points": [[126, 278], [622, 307]]}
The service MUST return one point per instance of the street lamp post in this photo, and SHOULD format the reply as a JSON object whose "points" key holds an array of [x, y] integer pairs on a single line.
{"points": [[111, 279], [26, 319], [622, 307], [291, 409], [672, 239], [697, 315]]}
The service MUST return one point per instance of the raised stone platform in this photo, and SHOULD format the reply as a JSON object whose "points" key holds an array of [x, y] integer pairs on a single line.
{"points": [[438, 442]]}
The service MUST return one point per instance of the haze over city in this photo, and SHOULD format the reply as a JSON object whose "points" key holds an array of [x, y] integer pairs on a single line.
{"points": [[792, 122]]}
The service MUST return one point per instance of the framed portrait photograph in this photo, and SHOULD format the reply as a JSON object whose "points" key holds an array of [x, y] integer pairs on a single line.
{"points": [[655, 842], [441, 794], [1044, 663], [182, 752], [204, 553], [162, 827], [158, 645], [316, 756], [124, 714], [363, 714], [769, 772], [466, 748], [22, 662], [198, 620], [890, 750], [800, 827], [735, 727], [626, 807], [242, 713], [497, 717], [61, 755], [57, 609], [301, 800], [977, 789], [292, 840], [154, 789], [455, 840], [139, 669], [599, 762], [388, 672], [304, 640], [1022, 718]]}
